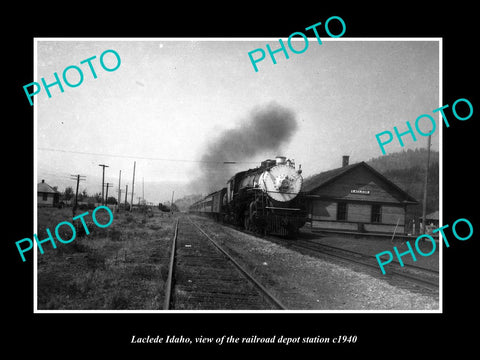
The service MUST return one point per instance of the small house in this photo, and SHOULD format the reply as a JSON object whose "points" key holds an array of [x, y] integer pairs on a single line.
{"points": [[46, 195]]}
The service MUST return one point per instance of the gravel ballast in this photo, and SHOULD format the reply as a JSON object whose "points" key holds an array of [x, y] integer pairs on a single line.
{"points": [[303, 282]]}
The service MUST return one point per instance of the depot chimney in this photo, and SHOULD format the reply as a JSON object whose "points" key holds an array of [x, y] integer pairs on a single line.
{"points": [[345, 160]]}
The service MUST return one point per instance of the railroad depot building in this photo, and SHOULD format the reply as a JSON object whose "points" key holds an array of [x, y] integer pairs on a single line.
{"points": [[356, 198]]}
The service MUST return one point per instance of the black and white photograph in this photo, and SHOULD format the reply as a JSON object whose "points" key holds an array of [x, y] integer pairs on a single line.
{"points": [[309, 186], [262, 192]]}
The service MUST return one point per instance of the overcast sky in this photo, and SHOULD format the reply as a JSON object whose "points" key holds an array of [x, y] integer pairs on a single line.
{"points": [[168, 99]]}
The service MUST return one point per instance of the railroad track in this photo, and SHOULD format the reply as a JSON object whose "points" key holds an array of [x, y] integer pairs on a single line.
{"points": [[425, 278], [411, 274], [203, 276], [358, 254]]}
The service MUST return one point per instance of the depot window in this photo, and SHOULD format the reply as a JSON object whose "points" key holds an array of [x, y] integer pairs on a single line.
{"points": [[342, 211], [376, 213]]}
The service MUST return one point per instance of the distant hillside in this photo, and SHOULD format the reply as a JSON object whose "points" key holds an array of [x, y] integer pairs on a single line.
{"points": [[403, 160], [407, 170]]}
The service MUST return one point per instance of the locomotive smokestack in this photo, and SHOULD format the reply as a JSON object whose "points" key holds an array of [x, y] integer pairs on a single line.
{"points": [[345, 159], [280, 160]]}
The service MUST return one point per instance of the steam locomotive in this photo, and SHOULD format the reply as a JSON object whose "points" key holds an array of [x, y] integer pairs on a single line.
{"points": [[265, 200]]}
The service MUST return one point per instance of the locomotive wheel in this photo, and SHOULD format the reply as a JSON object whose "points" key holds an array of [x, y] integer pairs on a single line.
{"points": [[253, 225], [246, 221], [292, 232]]}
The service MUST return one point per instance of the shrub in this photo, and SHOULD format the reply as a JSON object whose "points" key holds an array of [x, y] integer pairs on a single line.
{"points": [[115, 235], [117, 300]]}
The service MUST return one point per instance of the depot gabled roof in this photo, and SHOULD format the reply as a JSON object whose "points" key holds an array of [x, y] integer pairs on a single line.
{"points": [[327, 177]]}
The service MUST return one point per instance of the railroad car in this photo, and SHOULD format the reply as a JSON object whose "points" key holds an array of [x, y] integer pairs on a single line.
{"points": [[266, 199], [212, 204]]}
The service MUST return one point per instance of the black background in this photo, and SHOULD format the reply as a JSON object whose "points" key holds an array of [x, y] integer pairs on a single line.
{"points": [[379, 334]]}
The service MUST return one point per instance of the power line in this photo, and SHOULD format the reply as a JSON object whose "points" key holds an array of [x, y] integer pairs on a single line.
{"points": [[425, 188], [126, 193], [106, 195], [227, 162], [79, 178], [133, 185], [119, 189], [103, 179]]}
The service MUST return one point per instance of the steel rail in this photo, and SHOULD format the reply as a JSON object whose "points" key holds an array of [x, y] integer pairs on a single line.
{"points": [[412, 266], [424, 283], [168, 284], [272, 299], [312, 246], [419, 281]]}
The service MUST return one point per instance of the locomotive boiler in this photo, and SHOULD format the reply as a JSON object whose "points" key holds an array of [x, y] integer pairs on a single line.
{"points": [[265, 200]]}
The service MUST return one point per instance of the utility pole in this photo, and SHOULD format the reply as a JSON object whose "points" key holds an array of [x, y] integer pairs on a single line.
{"points": [[79, 178], [103, 180], [133, 186], [424, 210], [106, 196], [119, 190], [126, 192], [171, 205]]}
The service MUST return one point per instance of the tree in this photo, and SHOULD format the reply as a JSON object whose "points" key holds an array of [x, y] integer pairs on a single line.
{"points": [[82, 195], [98, 197], [68, 193], [111, 200]]}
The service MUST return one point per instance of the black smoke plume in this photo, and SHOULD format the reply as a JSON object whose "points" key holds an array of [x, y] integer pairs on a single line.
{"points": [[263, 133]]}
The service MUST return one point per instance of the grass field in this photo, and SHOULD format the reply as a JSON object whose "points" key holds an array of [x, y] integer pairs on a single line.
{"points": [[122, 266]]}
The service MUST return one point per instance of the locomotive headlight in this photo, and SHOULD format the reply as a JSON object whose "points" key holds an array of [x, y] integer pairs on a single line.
{"points": [[281, 182]]}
